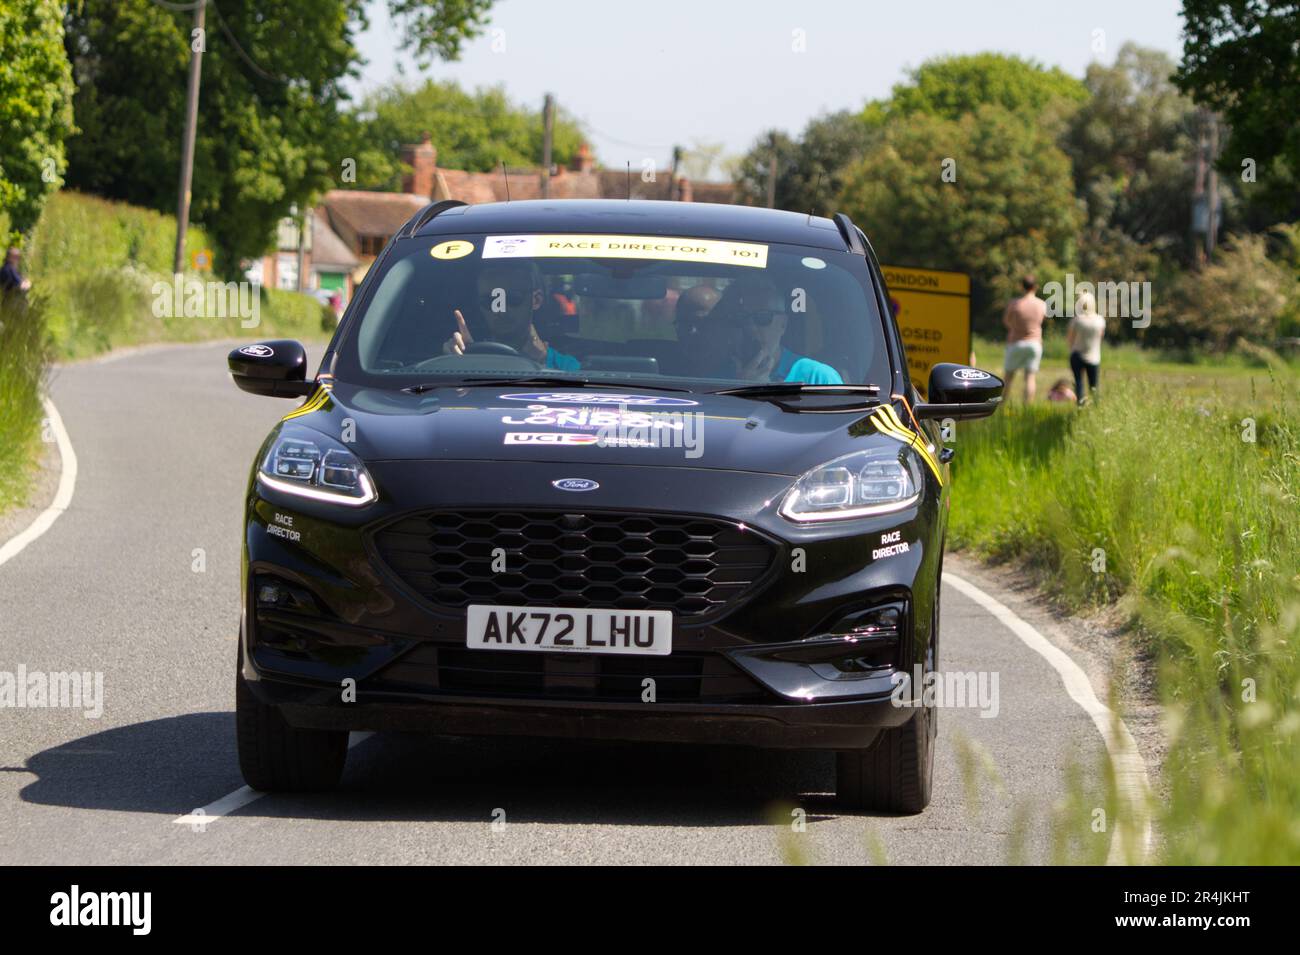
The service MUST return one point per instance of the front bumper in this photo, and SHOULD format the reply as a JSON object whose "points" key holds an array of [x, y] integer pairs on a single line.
{"points": [[844, 725], [729, 680]]}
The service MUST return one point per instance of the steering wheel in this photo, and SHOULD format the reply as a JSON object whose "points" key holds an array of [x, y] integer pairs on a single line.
{"points": [[490, 348]]}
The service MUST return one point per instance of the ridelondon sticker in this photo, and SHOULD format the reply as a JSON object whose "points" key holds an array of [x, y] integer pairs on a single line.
{"points": [[716, 251], [599, 398]]}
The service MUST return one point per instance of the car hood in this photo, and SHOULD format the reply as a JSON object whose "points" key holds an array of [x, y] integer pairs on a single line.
{"points": [[586, 426]]}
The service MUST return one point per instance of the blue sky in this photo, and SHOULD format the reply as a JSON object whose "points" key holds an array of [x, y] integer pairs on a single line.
{"points": [[642, 76]]}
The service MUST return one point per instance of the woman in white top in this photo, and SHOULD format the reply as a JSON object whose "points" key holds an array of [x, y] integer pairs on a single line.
{"points": [[1084, 335]]}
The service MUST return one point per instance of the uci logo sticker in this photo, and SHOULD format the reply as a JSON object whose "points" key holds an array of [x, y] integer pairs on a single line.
{"points": [[970, 374], [257, 351], [575, 484], [596, 398], [455, 249]]}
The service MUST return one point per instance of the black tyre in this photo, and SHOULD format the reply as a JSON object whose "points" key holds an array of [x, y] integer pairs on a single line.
{"points": [[896, 772], [276, 757]]}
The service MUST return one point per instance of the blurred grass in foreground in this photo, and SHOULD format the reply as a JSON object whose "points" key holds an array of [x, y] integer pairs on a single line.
{"points": [[22, 371], [1153, 499]]}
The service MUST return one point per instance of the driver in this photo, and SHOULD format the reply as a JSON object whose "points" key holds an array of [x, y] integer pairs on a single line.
{"points": [[509, 294]]}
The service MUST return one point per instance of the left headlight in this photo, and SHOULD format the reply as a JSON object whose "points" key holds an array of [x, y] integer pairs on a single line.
{"points": [[875, 481], [310, 464]]}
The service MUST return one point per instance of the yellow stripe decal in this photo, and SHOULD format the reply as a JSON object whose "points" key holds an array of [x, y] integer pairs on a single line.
{"points": [[887, 422], [314, 403]]}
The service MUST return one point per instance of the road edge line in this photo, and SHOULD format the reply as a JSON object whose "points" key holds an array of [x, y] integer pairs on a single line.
{"points": [[62, 495], [198, 819], [1126, 760]]}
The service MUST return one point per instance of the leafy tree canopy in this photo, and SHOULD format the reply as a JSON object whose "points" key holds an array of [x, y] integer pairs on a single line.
{"points": [[35, 108], [269, 106], [1240, 59], [1009, 209]]}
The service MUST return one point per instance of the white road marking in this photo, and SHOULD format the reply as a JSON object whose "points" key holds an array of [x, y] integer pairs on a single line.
{"points": [[240, 798], [1126, 761], [62, 496]]}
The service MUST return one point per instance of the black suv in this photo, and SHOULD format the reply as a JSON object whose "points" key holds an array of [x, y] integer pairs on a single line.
{"points": [[602, 469]]}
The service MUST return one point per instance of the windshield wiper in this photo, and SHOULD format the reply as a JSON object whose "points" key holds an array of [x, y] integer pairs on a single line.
{"points": [[534, 380], [776, 390]]}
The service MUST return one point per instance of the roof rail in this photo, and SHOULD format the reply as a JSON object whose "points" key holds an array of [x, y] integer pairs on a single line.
{"points": [[428, 212], [849, 232]]}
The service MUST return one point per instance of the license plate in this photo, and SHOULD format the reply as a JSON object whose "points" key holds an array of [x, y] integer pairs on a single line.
{"points": [[565, 629]]}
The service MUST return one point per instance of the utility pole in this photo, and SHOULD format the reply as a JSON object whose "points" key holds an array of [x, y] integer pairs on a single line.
{"points": [[672, 182], [548, 129], [771, 174], [1212, 203], [198, 40], [304, 244]]}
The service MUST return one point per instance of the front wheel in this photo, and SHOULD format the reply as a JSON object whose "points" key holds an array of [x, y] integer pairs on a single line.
{"points": [[276, 757], [895, 774]]}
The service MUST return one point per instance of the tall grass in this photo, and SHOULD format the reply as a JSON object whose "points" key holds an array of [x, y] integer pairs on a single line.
{"points": [[1157, 501], [22, 369]]}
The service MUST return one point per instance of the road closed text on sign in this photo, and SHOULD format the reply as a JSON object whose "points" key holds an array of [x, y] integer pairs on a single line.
{"points": [[933, 311]]}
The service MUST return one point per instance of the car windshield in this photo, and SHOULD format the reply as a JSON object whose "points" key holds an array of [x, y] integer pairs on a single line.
{"points": [[686, 313]]}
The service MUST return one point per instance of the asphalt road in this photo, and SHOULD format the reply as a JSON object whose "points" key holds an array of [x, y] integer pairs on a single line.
{"points": [[164, 443]]}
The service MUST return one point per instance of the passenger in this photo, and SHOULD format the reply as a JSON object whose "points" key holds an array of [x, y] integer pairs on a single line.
{"points": [[752, 314], [509, 297], [697, 352]]}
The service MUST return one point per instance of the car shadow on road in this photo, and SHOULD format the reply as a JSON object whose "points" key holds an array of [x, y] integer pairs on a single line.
{"points": [[172, 766]]}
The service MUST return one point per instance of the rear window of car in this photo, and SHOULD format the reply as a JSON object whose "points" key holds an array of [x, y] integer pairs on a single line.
{"points": [[688, 312]]}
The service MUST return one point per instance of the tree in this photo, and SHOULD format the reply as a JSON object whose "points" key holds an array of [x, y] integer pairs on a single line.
{"points": [[950, 87], [1239, 58], [269, 105], [1241, 294], [1133, 147], [35, 108], [988, 194], [476, 131], [809, 170]]}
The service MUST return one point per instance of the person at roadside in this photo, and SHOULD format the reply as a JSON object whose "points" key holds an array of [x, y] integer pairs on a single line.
{"points": [[508, 296], [1023, 319], [1084, 335], [1061, 391], [12, 283], [748, 324]]}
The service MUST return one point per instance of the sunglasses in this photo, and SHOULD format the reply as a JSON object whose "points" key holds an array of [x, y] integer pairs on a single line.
{"points": [[758, 319]]}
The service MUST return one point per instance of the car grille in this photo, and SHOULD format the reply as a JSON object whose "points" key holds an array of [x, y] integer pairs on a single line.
{"points": [[679, 678], [695, 567]]}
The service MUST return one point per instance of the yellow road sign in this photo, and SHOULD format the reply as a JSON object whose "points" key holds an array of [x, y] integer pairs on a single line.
{"points": [[933, 311]]}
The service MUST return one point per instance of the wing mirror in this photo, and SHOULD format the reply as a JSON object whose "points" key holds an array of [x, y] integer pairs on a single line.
{"points": [[960, 392], [277, 368]]}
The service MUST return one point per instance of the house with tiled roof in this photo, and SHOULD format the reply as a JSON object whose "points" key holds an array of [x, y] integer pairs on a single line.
{"points": [[354, 224]]}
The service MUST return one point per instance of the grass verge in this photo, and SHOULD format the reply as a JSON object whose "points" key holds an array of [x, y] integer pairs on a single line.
{"points": [[1182, 509]]}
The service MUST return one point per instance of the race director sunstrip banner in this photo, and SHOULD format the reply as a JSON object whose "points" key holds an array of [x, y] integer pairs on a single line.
{"points": [[715, 251]]}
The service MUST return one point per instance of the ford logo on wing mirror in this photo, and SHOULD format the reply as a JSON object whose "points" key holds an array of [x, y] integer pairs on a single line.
{"points": [[575, 484]]}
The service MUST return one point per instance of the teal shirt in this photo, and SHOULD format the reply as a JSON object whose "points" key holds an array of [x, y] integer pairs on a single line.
{"points": [[793, 367], [562, 362]]}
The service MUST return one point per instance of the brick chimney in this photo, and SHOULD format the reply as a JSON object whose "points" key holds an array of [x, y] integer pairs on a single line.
{"points": [[583, 161], [422, 157], [684, 191]]}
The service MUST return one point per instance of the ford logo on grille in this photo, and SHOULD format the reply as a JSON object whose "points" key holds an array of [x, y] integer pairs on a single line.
{"points": [[575, 484]]}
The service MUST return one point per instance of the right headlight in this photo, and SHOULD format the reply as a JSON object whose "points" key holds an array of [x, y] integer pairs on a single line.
{"points": [[874, 481], [305, 462]]}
